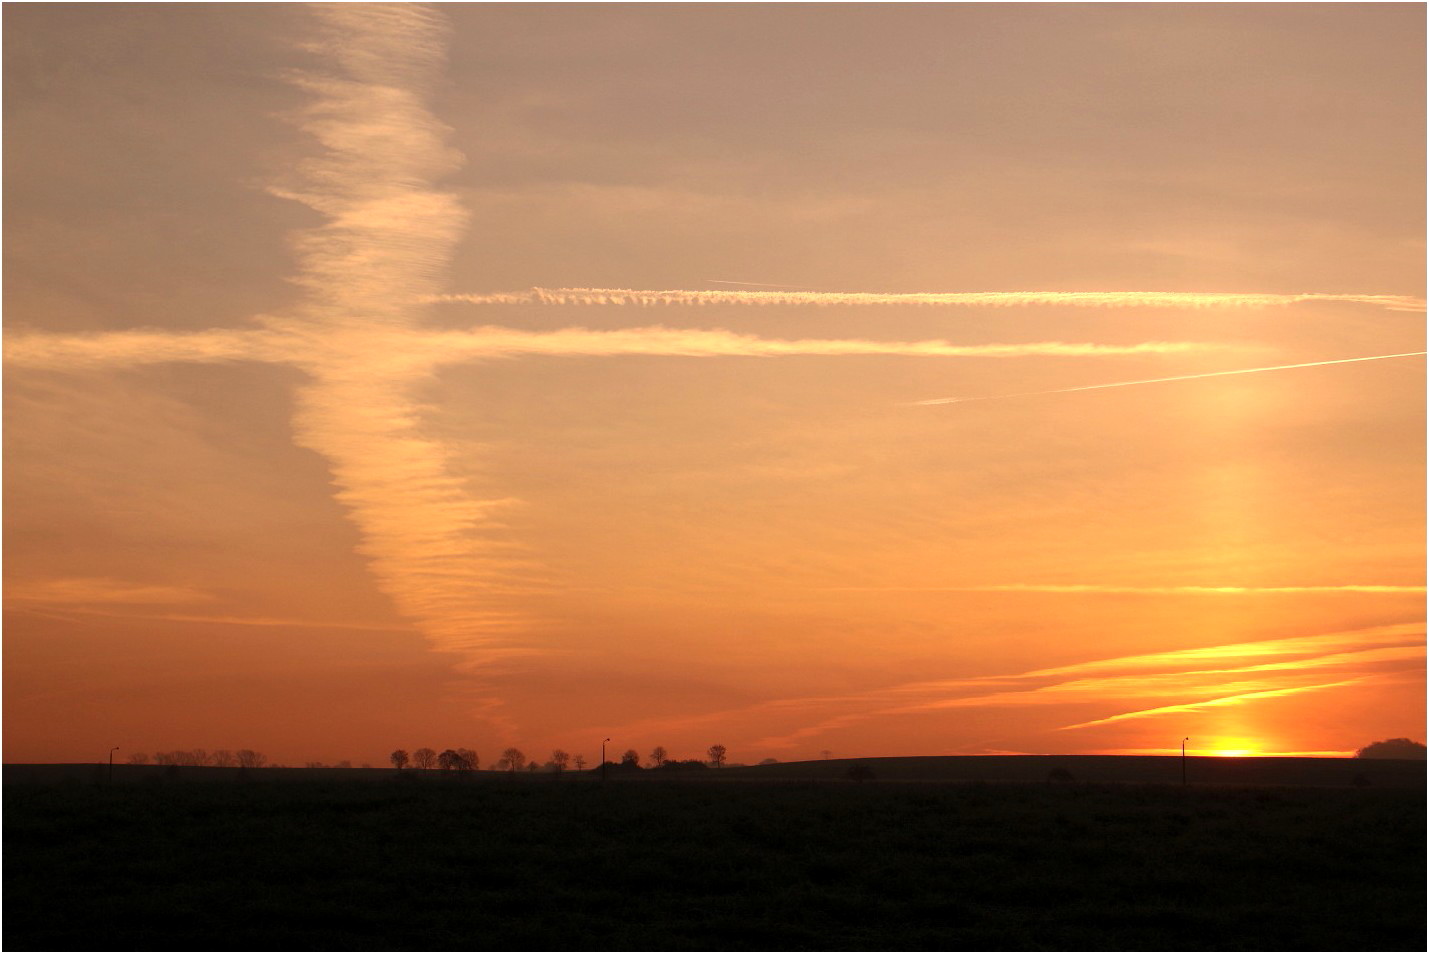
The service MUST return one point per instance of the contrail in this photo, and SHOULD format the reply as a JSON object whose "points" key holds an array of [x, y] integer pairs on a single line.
{"points": [[1099, 299], [498, 342], [1183, 377]]}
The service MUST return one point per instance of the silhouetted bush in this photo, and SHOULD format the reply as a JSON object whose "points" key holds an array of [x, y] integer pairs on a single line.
{"points": [[688, 765], [1392, 749]]}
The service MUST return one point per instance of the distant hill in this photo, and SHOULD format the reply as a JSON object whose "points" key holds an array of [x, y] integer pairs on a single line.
{"points": [[1144, 769]]}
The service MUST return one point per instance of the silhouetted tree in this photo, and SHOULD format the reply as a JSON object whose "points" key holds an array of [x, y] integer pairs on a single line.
{"points": [[199, 756], [630, 758], [424, 758], [138, 758], [470, 762], [860, 773], [768, 761], [313, 765], [580, 763], [451, 759], [658, 756], [514, 759], [400, 759], [716, 754], [826, 753], [345, 763], [533, 766], [1392, 749], [559, 760], [247, 758], [223, 758]]}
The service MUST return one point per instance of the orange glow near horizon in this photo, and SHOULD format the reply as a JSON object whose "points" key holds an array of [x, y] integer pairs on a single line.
{"points": [[380, 401]]}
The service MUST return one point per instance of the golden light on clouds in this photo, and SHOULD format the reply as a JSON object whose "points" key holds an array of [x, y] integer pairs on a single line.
{"points": [[266, 457]]}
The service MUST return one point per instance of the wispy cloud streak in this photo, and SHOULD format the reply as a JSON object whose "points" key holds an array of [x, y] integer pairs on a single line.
{"points": [[1099, 299], [1183, 680], [1234, 699], [1099, 588], [1181, 377], [385, 244]]}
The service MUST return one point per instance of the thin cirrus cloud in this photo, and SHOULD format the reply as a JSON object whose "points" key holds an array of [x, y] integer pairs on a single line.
{"points": [[1094, 299], [1112, 590], [98, 591], [1180, 680]]}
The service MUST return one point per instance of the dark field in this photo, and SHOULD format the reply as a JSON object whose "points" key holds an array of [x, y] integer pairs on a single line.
{"points": [[489, 862]]}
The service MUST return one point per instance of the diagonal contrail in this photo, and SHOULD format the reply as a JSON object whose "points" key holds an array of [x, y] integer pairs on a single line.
{"points": [[1182, 377]]}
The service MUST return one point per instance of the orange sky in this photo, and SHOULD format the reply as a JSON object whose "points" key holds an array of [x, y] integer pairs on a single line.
{"points": [[530, 374]]}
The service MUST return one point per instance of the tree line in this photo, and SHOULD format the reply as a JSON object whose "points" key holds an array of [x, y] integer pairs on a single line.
{"points": [[223, 758], [457, 760], [514, 760]]}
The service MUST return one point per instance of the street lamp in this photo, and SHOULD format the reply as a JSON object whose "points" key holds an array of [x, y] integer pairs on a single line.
{"points": [[111, 763], [602, 761], [1183, 758]]}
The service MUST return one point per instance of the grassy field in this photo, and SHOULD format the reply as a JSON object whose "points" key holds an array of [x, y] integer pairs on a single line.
{"points": [[488, 862]]}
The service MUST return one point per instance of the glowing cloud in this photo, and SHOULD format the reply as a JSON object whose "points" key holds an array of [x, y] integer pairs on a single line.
{"points": [[1230, 700], [1213, 676]]}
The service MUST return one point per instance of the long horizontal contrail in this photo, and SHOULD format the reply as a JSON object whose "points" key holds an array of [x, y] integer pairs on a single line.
{"points": [[499, 342], [1180, 377], [1097, 299], [415, 350]]}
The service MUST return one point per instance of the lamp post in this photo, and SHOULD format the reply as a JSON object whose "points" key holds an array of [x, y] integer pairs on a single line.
{"points": [[1183, 759], [602, 761], [111, 764]]}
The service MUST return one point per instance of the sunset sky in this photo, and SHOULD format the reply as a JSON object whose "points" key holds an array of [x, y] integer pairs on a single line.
{"points": [[489, 375]]}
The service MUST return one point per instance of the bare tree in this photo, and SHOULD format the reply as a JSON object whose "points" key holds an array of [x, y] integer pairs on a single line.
{"points": [[514, 759], [631, 758], [199, 756], [533, 766], [716, 754], [247, 758], [223, 758], [138, 758], [580, 763], [658, 756], [559, 759], [399, 758], [470, 762], [424, 758]]}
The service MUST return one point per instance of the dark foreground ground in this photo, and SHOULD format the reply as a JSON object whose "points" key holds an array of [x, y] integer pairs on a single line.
{"points": [[492, 863]]}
